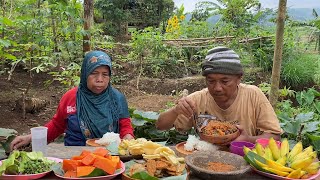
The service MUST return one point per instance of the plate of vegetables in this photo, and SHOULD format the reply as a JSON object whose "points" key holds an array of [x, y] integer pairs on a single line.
{"points": [[26, 165]]}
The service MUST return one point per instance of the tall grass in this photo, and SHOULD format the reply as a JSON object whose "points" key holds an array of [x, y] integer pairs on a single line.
{"points": [[301, 70]]}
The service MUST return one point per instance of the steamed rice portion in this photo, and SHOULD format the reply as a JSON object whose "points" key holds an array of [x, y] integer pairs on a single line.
{"points": [[194, 143], [108, 138]]}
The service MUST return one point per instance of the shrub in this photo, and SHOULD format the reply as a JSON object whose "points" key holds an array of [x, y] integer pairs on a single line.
{"points": [[299, 70]]}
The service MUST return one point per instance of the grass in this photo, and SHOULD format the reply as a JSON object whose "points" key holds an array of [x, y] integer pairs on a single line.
{"points": [[301, 70]]}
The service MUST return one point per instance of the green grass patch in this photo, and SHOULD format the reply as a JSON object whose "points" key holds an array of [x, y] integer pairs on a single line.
{"points": [[301, 70]]}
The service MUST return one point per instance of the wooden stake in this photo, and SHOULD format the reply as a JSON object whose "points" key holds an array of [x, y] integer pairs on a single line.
{"points": [[23, 105]]}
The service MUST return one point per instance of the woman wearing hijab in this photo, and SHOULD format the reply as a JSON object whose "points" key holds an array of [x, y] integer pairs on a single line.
{"points": [[90, 110]]}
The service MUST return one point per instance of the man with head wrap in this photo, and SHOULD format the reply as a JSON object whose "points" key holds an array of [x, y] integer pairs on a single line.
{"points": [[90, 110], [226, 98]]}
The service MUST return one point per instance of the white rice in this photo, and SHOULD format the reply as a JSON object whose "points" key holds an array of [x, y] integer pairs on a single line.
{"points": [[191, 143], [194, 143], [205, 146], [108, 138]]}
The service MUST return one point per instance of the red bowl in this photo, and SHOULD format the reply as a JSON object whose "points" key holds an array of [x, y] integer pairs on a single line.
{"points": [[236, 147], [265, 142]]}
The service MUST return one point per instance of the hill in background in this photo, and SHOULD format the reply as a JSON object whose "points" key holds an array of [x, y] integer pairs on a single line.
{"points": [[298, 14]]}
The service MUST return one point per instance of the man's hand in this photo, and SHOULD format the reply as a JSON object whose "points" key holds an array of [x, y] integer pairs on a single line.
{"points": [[186, 107], [243, 135]]}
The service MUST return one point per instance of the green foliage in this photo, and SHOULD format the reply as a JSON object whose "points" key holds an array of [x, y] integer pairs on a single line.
{"points": [[284, 93], [294, 75], [300, 127], [307, 100], [69, 76], [144, 127], [204, 10], [140, 13], [237, 14], [150, 52], [301, 121]]}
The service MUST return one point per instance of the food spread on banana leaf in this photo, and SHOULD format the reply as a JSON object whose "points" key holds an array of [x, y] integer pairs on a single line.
{"points": [[158, 162]]}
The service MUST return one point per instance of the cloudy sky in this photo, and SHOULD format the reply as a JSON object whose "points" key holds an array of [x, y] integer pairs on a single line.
{"points": [[190, 4]]}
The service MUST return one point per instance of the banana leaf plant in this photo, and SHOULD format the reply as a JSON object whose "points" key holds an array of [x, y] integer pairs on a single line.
{"points": [[144, 126], [301, 127]]}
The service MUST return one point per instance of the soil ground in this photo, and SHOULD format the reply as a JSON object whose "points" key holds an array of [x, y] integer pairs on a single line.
{"points": [[148, 98]]}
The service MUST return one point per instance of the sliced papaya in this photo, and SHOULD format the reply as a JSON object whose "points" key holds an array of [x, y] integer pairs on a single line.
{"points": [[89, 171], [116, 159], [101, 152], [89, 159], [70, 174], [70, 165], [105, 164]]}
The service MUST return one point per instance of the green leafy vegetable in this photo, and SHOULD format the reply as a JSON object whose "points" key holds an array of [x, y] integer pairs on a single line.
{"points": [[143, 176], [21, 162], [96, 172]]}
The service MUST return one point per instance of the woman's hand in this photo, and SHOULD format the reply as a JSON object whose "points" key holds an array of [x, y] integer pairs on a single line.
{"points": [[20, 141], [128, 137]]}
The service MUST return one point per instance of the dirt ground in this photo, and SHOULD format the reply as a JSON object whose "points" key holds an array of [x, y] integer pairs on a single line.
{"points": [[154, 95]]}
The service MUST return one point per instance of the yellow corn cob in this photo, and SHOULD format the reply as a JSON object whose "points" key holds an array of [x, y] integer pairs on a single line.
{"points": [[274, 149], [303, 154], [313, 168], [295, 150], [275, 171], [284, 148], [301, 163]]}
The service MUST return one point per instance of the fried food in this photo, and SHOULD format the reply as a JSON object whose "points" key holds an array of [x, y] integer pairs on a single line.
{"points": [[159, 168], [219, 128], [151, 167], [137, 168]]}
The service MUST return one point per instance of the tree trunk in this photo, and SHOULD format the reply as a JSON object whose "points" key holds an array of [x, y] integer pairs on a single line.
{"points": [[4, 15], [88, 20], [277, 58]]}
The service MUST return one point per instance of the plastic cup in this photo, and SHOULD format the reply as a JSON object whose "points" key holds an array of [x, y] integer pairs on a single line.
{"points": [[39, 139]]}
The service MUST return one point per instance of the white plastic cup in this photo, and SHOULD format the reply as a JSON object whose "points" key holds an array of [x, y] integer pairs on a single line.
{"points": [[39, 139]]}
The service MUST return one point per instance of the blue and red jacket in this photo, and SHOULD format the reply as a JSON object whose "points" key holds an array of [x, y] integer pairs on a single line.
{"points": [[65, 121]]}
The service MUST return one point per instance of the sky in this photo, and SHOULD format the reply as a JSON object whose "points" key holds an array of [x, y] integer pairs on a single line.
{"points": [[189, 5]]}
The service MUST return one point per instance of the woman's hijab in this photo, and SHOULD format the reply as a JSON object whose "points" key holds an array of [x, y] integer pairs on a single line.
{"points": [[97, 113]]}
